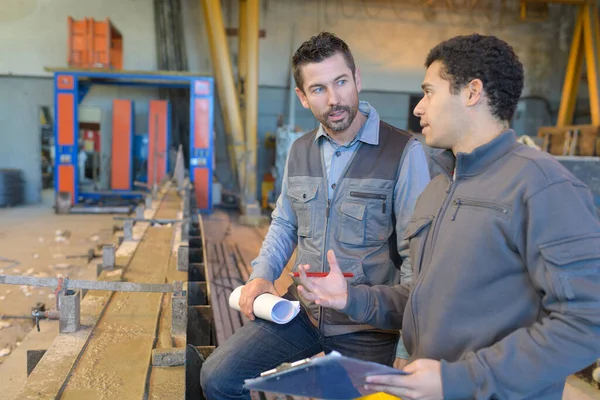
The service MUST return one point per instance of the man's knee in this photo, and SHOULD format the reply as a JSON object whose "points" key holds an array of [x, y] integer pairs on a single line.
{"points": [[220, 377], [212, 379]]}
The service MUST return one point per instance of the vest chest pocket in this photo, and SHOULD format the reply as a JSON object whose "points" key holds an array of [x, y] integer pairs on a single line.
{"points": [[304, 205], [352, 226], [378, 223]]}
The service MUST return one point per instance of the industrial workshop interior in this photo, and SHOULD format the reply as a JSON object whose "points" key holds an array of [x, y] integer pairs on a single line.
{"points": [[300, 199]]}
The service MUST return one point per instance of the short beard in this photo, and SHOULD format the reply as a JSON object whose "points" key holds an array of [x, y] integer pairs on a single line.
{"points": [[340, 125]]}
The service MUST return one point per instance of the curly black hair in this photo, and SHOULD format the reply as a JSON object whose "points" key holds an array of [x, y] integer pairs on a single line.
{"points": [[488, 58], [317, 49]]}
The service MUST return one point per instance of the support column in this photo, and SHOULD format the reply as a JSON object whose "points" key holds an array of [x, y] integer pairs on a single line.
{"points": [[219, 50], [250, 204]]}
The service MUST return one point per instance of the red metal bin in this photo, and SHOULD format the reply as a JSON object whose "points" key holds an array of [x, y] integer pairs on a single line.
{"points": [[94, 44]]}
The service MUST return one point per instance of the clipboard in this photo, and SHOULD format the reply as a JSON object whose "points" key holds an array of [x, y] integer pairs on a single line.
{"points": [[332, 377]]}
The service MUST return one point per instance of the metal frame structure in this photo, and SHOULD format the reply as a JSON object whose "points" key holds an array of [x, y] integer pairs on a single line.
{"points": [[72, 85], [239, 105], [585, 45]]}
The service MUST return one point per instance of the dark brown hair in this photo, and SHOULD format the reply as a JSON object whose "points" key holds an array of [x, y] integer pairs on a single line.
{"points": [[317, 49]]}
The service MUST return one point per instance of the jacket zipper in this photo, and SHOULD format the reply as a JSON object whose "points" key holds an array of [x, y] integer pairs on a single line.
{"points": [[482, 204], [427, 260], [376, 196]]}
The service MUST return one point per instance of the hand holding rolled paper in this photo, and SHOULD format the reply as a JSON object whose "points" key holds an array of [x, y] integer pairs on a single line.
{"points": [[268, 307]]}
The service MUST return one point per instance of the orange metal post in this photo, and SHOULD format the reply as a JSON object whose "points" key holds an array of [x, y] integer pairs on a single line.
{"points": [[158, 139], [122, 146]]}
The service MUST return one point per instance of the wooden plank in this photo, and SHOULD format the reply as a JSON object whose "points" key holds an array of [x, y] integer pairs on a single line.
{"points": [[168, 382], [231, 248], [221, 329], [116, 362], [231, 280], [47, 379]]}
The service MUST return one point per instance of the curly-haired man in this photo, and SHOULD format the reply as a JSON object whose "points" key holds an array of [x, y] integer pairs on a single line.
{"points": [[505, 248]]}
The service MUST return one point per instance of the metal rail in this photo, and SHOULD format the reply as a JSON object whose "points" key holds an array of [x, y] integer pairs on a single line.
{"points": [[91, 285]]}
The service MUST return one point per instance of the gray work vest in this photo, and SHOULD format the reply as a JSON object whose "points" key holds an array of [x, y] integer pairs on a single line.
{"points": [[357, 223]]}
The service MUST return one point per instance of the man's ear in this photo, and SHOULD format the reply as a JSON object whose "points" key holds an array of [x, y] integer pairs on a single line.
{"points": [[302, 98], [474, 92], [357, 79]]}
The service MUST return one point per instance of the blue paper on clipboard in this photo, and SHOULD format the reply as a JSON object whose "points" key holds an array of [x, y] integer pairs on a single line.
{"points": [[332, 377]]}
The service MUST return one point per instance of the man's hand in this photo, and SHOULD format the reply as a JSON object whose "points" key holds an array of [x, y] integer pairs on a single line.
{"points": [[423, 383], [331, 291], [251, 291]]}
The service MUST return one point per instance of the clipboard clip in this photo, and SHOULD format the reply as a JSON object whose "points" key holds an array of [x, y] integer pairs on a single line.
{"points": [[285, 367]]}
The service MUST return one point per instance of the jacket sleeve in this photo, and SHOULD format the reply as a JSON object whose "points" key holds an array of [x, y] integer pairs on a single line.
{"points": [[412, 180], [560, 245], [281, 239], [381, 306]]}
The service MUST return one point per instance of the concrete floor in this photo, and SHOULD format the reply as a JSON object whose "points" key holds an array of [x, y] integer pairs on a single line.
{"points": [[28, 234]]}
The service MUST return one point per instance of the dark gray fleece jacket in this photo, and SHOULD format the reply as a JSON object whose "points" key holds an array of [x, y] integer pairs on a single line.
{"points": [[506, 264]]}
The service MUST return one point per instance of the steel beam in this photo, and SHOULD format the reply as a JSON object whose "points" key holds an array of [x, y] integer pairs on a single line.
{"points": [[170, 357], [128, 230], [251, 102], [179, 315], [183, 260], [89, 285], [100, 210], [242, 51], [592, 54], [161, 221], [108, 256], [69, 305], [213, 18], [572, 75], [139, 212]]}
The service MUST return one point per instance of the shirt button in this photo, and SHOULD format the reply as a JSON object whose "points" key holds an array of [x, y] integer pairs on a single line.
{"points": [[338, 153], [333, 186]]}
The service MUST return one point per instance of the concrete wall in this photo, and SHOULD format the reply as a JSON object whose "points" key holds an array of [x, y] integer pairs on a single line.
{"points": [[389, 40], [20, 135], [33, 33]]}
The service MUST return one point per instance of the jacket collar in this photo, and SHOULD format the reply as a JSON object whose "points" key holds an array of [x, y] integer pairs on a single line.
{"points": [[479, 159]]}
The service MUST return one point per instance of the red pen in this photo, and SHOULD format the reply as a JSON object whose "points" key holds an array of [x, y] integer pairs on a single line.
{"points": [[319, 274]]}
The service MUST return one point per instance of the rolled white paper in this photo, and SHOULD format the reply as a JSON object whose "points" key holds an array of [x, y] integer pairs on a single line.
{"points": [[268, 307]]}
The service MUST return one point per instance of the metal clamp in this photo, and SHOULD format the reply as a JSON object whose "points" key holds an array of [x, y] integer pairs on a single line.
{"points": [[285, 367]]}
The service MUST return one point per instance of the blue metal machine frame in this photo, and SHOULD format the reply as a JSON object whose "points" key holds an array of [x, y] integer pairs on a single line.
{"points": [[71, 86]]}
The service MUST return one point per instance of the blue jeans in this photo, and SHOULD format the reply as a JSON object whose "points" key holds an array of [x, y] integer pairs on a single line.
{"points": [[262, 345]]}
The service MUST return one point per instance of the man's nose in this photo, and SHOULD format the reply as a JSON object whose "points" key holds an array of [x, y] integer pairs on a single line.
{"points": [[334, 99], [419, 109]]}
